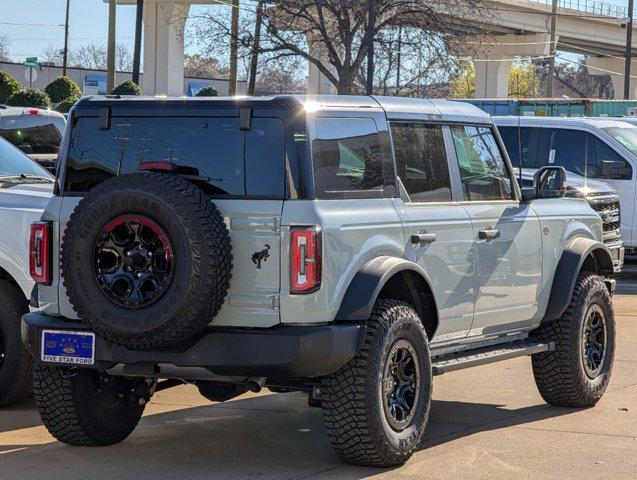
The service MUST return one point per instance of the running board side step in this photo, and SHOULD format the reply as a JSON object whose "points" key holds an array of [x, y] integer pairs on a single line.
{"points": [[486, 355]]}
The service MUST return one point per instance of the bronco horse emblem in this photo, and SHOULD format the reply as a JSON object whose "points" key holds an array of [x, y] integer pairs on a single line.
{"points": [[261, 256]]}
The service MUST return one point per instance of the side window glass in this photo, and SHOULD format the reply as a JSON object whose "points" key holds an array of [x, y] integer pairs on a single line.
{"points": [[347, 158], [518, 141], [605, 154], [483, 172], [421, 160], [569, 149]]}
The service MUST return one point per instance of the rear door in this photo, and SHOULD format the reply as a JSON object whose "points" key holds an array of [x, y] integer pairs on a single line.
{"points": [[242, 171], [438, 232]]}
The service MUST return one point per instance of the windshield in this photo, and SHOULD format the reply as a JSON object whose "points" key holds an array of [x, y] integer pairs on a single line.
{"points": [[15, 163], [626, 136]]}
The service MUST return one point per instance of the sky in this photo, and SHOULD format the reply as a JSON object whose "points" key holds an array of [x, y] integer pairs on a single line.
{"points": [[33, 25]]}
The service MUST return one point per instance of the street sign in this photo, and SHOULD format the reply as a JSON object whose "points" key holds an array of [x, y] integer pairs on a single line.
{"points": [[31, 62], [31, 75]]}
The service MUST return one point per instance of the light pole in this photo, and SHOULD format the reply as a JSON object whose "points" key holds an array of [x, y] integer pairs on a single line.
{"points": [[110, 53], [552, 50], [629, 50]]}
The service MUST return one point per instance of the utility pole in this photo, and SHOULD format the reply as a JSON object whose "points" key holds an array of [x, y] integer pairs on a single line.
{"points": [[399, 59], [137, 48], [110, 54], [629, 49], [256, 43], [552, 50], [371, 26], [65, 53], [234, 48]]}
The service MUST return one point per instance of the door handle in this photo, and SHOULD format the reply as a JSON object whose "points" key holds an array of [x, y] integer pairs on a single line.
{"points": [[489, 234], [421, 238]]}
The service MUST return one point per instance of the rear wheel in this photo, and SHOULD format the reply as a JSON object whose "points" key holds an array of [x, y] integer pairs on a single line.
{"points": [[376, 408], [16, 366], [87, 407], [577, 373]]}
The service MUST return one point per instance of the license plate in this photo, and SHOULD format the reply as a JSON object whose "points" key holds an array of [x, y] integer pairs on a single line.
{"points": [[76, 348]]}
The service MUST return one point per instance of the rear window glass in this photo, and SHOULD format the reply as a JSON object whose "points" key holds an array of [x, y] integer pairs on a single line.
{"points": [[34, 139], [347, 159], [225, 159]]}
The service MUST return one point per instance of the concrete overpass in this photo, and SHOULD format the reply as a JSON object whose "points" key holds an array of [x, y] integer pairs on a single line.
{"points": [[588, 27]]}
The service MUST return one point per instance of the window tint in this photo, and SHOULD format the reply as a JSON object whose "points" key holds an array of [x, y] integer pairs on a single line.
{"points": [[421, 160], [570, 150], [483, 172], [347, 159], [520, 140], [211, 148]]}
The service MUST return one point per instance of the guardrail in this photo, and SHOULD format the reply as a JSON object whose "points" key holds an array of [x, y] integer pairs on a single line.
{"points": [[590, 6]]}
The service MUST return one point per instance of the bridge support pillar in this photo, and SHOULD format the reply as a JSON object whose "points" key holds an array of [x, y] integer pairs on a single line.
{"points": [[602, 66], [493, 65], [164, 24]]}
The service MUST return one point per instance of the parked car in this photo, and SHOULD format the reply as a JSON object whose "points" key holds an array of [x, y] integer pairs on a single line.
{"points": [[346, 247], [593, 148], [25, 189], [37, 132]]}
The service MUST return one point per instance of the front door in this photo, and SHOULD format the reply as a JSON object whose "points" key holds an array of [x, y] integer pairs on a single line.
{"points": [[438, 232], [506, 234]]}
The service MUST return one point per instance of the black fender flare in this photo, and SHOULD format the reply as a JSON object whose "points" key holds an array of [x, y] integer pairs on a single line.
{"points": [[363, 290], [569, 268]]}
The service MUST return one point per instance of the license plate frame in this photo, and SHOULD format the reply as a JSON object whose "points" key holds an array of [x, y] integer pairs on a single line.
{"points": [[67, 347]]}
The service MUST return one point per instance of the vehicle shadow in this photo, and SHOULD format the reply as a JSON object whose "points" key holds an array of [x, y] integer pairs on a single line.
{"points": [[274, 436]]}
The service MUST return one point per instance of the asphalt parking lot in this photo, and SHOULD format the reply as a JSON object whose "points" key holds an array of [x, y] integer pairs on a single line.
{"points": [[487, 422]]}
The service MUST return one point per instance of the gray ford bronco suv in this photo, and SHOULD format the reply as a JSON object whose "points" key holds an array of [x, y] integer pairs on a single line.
{"points": [[348, 247]]}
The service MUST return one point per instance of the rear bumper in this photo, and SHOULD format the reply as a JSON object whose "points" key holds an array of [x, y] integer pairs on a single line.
{"points": [[280, 352]]}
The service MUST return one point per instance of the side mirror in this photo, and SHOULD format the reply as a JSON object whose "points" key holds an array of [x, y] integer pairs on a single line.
{"points": [[548, 182], [615, 169]]}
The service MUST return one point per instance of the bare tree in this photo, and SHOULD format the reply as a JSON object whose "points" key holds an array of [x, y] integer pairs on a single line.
{"points": [[199, 65], [93, 56], [4, 48], [52, 54], [280, 76], [574, 81], [332, 34]]}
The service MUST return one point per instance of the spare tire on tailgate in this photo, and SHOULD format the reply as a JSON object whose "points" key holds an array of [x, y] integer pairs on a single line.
{"points": [[146, 260]]}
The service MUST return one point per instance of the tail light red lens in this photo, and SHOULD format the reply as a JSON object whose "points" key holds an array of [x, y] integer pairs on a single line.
{"points": [[40, 252], [305, 260]]}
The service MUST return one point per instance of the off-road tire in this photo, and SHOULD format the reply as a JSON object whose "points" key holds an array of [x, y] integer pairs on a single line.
{"points": [[560, 375], [72, 412], [202, 260], [353, 411], [16, 367]]}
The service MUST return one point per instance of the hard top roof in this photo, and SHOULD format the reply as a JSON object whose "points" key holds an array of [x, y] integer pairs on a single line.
{"points": [[395, 107]]}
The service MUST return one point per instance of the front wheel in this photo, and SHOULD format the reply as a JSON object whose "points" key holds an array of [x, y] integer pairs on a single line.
{"points": [[376, 408], [577, 373], [86, 407]]}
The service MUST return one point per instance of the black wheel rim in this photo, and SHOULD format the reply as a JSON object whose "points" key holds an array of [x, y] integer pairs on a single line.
{"points": [[133, 261], [594, 338], [400, 384]]}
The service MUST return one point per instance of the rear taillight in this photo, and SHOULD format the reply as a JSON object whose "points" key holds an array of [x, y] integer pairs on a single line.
{"points": [[40, 252], [305, 260], [31, 111]]}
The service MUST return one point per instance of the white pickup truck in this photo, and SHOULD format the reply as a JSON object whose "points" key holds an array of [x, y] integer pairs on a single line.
{"points": [[25, 190]]}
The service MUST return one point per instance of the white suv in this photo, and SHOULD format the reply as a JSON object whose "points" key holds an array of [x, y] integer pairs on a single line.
{"points": [[25, 189], [593, 148]]}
